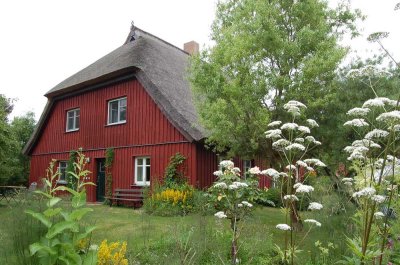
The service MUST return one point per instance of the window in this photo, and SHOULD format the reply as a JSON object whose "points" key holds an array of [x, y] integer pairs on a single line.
{"points": [[73, 117], [117, 111], [142, 171], [246, 167], [62, 169]]}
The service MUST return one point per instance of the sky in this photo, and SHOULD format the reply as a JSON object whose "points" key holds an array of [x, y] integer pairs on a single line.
{"points": [[44, 42]]}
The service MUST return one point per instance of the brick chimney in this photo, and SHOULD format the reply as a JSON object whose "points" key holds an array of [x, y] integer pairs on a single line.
{"points": [[191, 47]]}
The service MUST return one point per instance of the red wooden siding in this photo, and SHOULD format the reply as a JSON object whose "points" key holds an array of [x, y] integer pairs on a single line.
{"points": [[145, 123], [207, 163]]}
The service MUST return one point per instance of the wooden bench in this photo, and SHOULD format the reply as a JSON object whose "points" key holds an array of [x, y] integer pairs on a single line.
{"points": [[128, 195]]}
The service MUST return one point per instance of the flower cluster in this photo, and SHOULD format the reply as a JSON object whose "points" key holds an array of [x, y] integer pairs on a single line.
{"points": [[173, 196], [113, 253]]}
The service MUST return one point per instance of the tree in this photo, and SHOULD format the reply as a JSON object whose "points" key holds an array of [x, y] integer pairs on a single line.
{"points": [[22, 128], [14, 166], [265, 53]]}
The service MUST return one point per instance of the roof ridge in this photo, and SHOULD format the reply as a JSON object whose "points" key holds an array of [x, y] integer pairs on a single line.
{"points": [[158, 39]]}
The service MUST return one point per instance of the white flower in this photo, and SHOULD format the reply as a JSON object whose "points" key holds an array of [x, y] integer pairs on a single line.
{"points": [[294, 103], [358, 112], [290, 197], [310, 139], [310, 168], [304, 129], [314, 161], [236, 170], [291, 167], [236, 185], [301, 163], [270, 172], [376, 133], [226, 164], [378, 198], [312, 123], [283, 174], [356, 123], [299, 140], [295, 146], [283, 227], [312, 221], [220, 215], [347, 183], [247, 204], [317, 143], [240, 205], [273, 134], [315, 206], [220, 185], [218, 173], [303, 188], [366, 192], [396, 128], [274, 124], [355, 155], [254, 170], [365, 142], [280, 144], [295, 111], [379, 215], [374, 102], [347, 179], [289, 126], [392, 116], [94, 247]]}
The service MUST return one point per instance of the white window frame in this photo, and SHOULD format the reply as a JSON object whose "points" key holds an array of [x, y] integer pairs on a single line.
{"points": [[246, 167], [75, 116], [62, 178], [119, 121], [143, 167]]}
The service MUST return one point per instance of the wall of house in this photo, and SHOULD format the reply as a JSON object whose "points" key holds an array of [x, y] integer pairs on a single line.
{"points": [[147, 132]]}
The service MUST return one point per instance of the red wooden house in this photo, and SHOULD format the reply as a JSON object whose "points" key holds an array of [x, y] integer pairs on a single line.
{"points": [[136, 100]]}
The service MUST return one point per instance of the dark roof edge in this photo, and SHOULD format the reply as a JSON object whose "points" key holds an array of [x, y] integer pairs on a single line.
{"points": [[95, 82], [161, 40]]}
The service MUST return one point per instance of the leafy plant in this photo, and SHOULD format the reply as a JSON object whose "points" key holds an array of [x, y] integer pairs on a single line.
{"points": [[174, 173], [108, 166], [58, 245]]}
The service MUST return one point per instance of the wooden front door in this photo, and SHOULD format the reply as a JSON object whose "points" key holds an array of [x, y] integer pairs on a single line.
{"points": [[101, 180]]}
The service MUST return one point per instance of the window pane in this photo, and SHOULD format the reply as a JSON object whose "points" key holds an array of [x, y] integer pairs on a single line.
{"points": [[147, 173], [77, 121], [122, 114], [70, 124], [148, 161], [113, 112], [140, 161], [139, 172], [62, 169]]}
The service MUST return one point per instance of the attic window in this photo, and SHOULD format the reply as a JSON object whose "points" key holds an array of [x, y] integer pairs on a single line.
{"points": [[73, 120], [117, 111]]}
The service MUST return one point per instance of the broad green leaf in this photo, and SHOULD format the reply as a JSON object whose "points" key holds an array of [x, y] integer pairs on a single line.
{"points": [[60, 228], [43, 193], [51, 212], [64, 188], [79, 200], [79, 213], [35, 247], [88, 230], [53, 201], [39, 216], [90, 258]]}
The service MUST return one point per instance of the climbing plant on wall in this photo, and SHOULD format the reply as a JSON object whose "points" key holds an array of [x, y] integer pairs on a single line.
{"points": [[108, 166]]}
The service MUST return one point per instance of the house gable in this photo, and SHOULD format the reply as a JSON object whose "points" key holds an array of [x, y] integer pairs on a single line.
{"points": [[145, 122]]}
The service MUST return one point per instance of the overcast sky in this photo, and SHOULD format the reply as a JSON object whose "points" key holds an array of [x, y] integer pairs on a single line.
{"points": [[45, 41]]}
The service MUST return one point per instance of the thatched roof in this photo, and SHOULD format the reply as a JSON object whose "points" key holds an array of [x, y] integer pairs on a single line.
{"points": [[159, 66]]}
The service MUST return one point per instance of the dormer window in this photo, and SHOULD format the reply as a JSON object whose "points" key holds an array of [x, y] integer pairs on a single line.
{"points": [[73, 120], [117, 111]]}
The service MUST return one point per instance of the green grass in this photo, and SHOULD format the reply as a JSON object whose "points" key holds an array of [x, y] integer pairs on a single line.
{"points": [[173, 240]]}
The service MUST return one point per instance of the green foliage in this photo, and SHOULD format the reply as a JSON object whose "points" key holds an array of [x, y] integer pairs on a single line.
{"points": [[270, 195], [108, 165], [172, 200], [14, 166], [70, 168], [265, 52], [59, 244], [174, 172]]}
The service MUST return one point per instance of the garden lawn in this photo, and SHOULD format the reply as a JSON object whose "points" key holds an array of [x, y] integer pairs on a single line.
{"points": [[194, 238]]}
